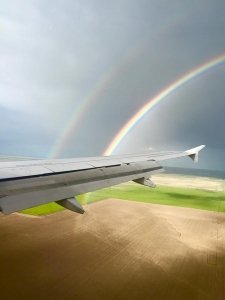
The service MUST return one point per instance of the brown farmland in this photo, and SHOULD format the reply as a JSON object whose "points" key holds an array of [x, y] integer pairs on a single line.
{"points": [[117, 250]]}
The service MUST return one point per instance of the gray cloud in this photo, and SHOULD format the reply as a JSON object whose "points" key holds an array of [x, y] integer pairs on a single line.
{"points": [[53, 54]]}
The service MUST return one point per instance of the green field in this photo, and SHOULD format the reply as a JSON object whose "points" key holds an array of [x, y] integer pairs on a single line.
{"points": [[185, 197]]}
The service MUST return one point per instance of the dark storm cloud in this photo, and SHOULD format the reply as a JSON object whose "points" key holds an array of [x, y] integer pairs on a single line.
{"points": [[53, 53]]}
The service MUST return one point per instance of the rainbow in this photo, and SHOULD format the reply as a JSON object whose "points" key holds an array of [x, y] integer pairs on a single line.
{"points": [[77, 116], [98, 90], [215, 62]]}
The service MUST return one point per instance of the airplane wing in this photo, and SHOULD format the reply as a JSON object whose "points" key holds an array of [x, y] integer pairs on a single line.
{"points": [[28, 183]]}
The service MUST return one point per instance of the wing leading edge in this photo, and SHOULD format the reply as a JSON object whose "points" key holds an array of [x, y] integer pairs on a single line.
{"points": [[24, 184]]}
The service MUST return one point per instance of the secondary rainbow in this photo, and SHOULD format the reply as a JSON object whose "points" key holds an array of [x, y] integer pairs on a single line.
{"points": [[213, 63], [98, 90], [77, 116]]}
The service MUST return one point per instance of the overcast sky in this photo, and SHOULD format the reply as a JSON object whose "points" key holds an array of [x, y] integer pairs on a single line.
{"points": [[57, 55]]}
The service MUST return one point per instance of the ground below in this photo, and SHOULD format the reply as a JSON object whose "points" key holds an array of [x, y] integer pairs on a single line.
{"points": [[117, 250]]}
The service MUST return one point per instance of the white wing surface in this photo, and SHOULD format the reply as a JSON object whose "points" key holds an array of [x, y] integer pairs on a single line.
{"points": [[29, 183]]}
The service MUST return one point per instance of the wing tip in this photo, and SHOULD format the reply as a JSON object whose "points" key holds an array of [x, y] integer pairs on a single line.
{"points": [[194, 152]]}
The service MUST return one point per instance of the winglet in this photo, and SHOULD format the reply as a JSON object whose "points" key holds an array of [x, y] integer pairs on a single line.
{"points": [[193, 153]]}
